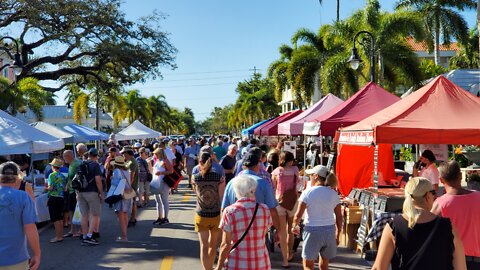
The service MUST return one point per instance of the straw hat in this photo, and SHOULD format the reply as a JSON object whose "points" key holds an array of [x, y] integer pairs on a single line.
{"points": [[56, 162], [119, 161]]}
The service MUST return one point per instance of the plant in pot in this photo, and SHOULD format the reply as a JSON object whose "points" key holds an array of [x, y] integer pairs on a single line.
{"points": [[472, 153]]}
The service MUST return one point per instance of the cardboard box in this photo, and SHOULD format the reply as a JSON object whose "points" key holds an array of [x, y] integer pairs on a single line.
{"points": [[353, 214]]}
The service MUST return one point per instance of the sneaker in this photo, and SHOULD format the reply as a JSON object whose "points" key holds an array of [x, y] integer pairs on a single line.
{"points": [[190, 186], [164, 221], [90, 241], [158, 221], [96, 235]]}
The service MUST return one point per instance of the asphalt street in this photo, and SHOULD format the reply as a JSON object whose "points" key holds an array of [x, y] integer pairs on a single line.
{"points": [[172, 246]]}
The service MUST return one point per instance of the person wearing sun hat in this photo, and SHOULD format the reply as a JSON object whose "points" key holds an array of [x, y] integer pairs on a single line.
{"points": [[55, 187], [124, 206], [323, 219], [17, 223]]}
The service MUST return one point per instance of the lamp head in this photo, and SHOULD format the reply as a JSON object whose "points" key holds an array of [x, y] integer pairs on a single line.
{"points": [[17, 65], [354, 59]]}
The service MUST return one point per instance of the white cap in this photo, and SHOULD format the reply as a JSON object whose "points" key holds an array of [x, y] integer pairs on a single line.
{"points": [[321, 170], [137, 145]]}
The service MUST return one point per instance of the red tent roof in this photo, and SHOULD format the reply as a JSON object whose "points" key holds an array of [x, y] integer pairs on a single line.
{"points": [[369, 100], [438, 113], [294, 126], [271, 127]]}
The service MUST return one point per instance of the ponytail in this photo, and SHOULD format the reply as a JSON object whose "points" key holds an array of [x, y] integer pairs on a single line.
{"points": [[206, 167], [415, 191]]}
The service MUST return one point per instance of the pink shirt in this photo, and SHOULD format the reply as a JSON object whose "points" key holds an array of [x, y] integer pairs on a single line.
{"points": [[431, 173], [464, 212], [285, 179]]}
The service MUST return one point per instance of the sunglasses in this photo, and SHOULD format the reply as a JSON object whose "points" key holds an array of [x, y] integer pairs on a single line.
{"points": [[434, 193]]}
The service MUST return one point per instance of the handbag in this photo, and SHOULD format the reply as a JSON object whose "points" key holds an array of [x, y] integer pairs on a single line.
{"points": [[289, 198], [246, 231], [172, 179], [114, 194], [128, 195]]}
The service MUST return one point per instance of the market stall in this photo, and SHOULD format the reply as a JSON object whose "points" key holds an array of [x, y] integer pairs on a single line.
{"points": [[137, 131], [271, 128], [438, 113], [56, 132], [89, 134], [251, 129]]}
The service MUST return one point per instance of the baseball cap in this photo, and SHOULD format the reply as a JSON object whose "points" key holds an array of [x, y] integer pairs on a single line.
{"points": [[206, 149], [251, 159], [137, 145], [93, 152], [321, 170]]}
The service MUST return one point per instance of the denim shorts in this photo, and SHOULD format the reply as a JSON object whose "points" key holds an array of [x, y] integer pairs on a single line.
{"points": [[319, 240]]}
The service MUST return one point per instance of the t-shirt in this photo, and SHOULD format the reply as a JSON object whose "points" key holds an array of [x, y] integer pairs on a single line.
{"points": [[191, 151], [16, 210], [57, 181], [220, 152], [286, 177], [132, 166], [72, 170], [142, 169], [464, 212], [215, 168], [228, 163], [208, 199], [93, 171], [431, 173], [321, 202], [263, 194]]}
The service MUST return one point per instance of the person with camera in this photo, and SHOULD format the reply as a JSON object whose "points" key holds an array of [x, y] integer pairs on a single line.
{"points": [[425, 167]]}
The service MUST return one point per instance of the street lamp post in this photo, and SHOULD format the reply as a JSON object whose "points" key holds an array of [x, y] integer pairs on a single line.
{"points": [[17, 64], [355, 60]]}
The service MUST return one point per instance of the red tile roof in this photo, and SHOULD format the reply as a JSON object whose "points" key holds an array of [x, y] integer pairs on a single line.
{"points": [[422, 46]]}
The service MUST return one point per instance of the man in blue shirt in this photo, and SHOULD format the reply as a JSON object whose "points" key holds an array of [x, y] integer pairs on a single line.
{"points": [[264, 193], [17, 226]]}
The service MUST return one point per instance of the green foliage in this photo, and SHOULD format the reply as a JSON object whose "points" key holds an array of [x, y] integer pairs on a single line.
{"points": [[430, 70], [469, 56], [88, 36], [406, 154]]}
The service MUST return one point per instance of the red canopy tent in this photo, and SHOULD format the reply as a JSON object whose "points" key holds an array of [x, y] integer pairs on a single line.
{"points": [[271, 128], [438, 113], [369, 100], [294, 126]]}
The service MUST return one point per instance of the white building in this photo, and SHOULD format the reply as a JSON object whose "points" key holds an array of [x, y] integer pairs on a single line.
{"points": [[7, 72], [60, 116]]}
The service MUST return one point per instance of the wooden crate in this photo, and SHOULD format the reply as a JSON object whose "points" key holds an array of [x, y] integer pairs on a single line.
{"points": [[353, 214]]}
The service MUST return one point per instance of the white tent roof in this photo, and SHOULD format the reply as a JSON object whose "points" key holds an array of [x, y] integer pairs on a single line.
{"points": [[54, 131], [17, 137], [136, 130]]}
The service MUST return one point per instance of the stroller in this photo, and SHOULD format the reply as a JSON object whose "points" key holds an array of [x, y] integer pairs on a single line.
{"points": [[271, 243]]}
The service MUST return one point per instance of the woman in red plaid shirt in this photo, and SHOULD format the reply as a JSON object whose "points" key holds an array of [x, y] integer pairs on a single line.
{"points": [[252, 252]]}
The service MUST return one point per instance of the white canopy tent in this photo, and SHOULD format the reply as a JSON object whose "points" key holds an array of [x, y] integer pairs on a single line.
{"points": [[83, 133], [17, 137], [54, 131], [137, 131]]}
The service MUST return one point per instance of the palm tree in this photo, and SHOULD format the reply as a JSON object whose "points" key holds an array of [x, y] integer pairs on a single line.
{"points": [[469, 56], [278, 71], [397, 63], [137, 107], [338, 8], [24, 94], [441, 18], [159, 108]]}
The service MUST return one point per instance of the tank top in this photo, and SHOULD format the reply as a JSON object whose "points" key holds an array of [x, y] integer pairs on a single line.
{"points": [[426, 246], [208, 199]]}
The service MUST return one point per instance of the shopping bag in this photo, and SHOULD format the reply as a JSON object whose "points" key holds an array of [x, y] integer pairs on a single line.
{"points": [[155, 185], [77, 216]]}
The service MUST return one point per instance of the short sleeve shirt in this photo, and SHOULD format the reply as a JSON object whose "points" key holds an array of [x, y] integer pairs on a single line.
{"points": [[252, 252], [321, 202], [142, 169], [93, 171], [132, 166], [72, 170], [263, 194], [16, 210], [56, 180], [431, 173], [191, 151]]}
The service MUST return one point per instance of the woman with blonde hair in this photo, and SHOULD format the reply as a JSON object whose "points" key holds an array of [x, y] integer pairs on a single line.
{"points": [[419, 239], [161, 168]]}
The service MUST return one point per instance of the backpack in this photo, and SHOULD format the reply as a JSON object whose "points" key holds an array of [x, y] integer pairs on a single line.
{"points": [[80, 180]]}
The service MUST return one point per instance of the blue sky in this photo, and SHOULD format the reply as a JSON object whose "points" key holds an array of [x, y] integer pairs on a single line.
{"points": [[220, 42]]}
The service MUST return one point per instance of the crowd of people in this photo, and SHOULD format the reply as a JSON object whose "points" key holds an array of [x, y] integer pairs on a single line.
{"points": [[243, 191]]}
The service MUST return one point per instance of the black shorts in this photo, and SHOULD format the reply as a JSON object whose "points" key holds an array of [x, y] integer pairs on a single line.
{"points": [[55, 208], [70, 202]]}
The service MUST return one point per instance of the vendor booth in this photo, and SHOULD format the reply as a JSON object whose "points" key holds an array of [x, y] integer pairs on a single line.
{"points": [[251, 129], [271, 128], [89, 134], [438, 113], [137, 131], [294, 126], [55, 131]]}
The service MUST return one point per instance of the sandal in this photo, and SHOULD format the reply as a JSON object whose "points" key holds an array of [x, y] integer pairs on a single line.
{"points": [[68, 235], [121, 240], [55, 240]]}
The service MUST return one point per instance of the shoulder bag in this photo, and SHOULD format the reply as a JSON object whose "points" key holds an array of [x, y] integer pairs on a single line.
{"points": [[246, 231], [128, 195], [289, 198]]}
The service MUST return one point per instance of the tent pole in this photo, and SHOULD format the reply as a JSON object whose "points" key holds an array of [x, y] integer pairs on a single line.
{"points": [[304, 152], [30, 173], [375, 180], [321, 150], [74, 150]]}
